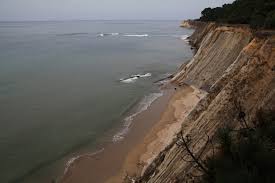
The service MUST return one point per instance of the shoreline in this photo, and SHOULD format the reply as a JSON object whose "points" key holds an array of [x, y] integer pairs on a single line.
{"points": [[183, 100], [151, 131], [95, 167]]}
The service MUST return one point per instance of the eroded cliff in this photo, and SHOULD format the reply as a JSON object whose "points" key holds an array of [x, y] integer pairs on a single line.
{"points": [[236, 66], [218, 50]]}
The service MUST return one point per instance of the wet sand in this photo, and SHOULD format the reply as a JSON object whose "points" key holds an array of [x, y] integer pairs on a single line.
{"points": [[99, 167], [151, 131], [161, 134]]}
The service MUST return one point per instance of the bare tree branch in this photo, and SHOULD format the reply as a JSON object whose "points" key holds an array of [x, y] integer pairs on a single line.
{"points": [[196, 160]]}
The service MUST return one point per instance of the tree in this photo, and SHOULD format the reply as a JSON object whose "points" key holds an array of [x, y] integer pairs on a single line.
{"points": [[246, 155], [256, 13], [270, 20]]}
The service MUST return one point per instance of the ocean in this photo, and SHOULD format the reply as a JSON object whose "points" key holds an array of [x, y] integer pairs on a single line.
{"points": [[66, 85]]}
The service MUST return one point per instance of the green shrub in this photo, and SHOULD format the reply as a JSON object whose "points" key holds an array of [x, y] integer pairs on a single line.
{"points": [[246, 156]]}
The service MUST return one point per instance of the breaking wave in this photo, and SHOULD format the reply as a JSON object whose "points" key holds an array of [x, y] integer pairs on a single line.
{"points": [[184, 37], [134, 77], [73, 159], [142, 106], [136, 35], [108, 34], [125, 35]]}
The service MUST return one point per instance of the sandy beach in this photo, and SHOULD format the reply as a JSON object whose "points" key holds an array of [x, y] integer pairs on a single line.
{"points": [[161, 134], [99, 167], [151, 131]]}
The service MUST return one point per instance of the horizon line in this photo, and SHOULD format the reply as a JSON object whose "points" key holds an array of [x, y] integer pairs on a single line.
{"points": [[69, 20]]}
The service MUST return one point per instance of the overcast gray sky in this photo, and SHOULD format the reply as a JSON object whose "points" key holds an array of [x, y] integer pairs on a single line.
{"points": [[103, 9]]}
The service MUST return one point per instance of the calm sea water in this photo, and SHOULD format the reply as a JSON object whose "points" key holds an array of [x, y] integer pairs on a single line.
{"points": [[63, 85]]}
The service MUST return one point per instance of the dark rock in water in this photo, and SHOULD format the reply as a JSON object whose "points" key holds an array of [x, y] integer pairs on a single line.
{"points": [[170, 77]]}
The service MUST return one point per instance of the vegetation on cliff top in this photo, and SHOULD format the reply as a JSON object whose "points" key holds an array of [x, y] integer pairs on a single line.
{"points": [[256, 13], [246, 155]]}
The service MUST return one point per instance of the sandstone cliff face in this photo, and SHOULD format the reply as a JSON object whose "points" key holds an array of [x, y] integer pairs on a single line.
{"points": [[236, 67], [218, 50]]}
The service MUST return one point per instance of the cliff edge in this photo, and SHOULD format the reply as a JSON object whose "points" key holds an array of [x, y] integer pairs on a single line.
{"points": [[236, 66]]}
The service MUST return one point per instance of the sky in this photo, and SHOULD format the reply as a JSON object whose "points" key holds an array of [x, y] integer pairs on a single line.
{"points": [[19, 10]]}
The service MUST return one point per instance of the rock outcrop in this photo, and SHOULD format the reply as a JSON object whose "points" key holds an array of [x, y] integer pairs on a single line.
{"points": [[236, 66], [191, 24]]}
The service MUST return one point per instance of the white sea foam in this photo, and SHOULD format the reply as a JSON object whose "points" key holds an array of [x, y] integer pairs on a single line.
{"points": [[184, 37], [143, 75], [126, 35], [108, 34], [73, 159], [136, 35], [142, 106], [134, 77], [129, 80]]}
